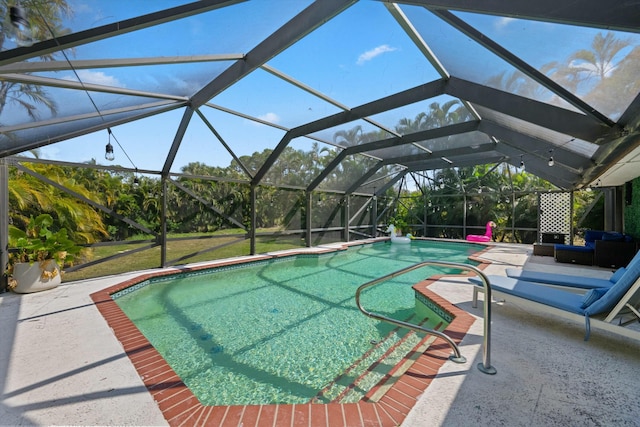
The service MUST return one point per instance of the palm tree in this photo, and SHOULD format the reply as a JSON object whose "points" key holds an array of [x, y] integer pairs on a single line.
{"points": [[584, 66], [616, 91], [45, 18], [600, 59], [349, 137], [438, 115], [516, 82], [28, 196]]}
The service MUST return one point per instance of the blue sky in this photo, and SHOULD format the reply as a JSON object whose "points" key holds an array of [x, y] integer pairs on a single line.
{"points": [[359, 56]]}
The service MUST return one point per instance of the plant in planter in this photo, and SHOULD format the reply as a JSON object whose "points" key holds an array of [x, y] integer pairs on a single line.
{"points": [[35, 266]]}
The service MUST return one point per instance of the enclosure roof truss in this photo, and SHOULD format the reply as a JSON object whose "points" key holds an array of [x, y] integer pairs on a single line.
{"points": [[587, 134]]}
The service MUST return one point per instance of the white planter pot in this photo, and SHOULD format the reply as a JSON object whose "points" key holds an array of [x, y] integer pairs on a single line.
{"points": [[36, 277]]}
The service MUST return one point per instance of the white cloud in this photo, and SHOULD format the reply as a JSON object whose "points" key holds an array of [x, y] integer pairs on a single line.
{"points": [[95, 77], [370, 54], [270, 117], [503, 22], [50, 152]]}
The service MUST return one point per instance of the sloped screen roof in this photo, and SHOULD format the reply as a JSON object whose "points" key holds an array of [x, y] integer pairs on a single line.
{"points": [[364, 90]]}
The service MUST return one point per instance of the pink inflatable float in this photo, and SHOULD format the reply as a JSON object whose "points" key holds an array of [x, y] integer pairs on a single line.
{"points": [[486, 237]]}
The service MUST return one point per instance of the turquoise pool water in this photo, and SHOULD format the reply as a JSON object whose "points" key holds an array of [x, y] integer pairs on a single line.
{"points": [[286, 330]]}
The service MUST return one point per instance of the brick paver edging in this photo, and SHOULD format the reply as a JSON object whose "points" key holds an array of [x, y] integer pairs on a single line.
{"points": [[181, 408]]}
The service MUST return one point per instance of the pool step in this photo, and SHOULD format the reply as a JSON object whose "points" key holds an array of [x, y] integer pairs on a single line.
{"points": [[401, 367], [372, 368], [378, 379]]}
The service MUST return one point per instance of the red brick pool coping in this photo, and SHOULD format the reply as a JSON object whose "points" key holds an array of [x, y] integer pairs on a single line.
{"points": [[180, 407]]}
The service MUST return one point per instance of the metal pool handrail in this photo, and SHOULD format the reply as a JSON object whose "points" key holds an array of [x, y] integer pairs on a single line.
{"points": [[485, 366]]}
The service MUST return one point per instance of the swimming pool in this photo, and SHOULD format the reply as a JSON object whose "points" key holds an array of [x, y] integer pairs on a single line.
{"points": [[304, 338]]}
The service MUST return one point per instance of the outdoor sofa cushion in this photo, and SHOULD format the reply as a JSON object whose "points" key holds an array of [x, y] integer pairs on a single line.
{"points": [[575, 248], [590, 237]]}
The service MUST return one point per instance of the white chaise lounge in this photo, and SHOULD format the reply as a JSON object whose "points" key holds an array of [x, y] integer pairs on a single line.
{"points": [[609, 307]]}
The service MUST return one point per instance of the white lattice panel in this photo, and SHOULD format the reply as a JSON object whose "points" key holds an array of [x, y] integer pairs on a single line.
{"points": [[555, 213]]}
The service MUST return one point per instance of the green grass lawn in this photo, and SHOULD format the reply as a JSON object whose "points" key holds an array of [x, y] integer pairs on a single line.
{"points": [[179, 252]]}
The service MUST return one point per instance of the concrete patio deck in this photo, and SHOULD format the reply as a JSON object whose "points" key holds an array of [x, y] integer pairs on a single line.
{"points": [[61, 364]]}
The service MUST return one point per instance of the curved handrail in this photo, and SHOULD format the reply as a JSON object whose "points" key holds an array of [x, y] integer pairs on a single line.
{"points": [[485, 366]]}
